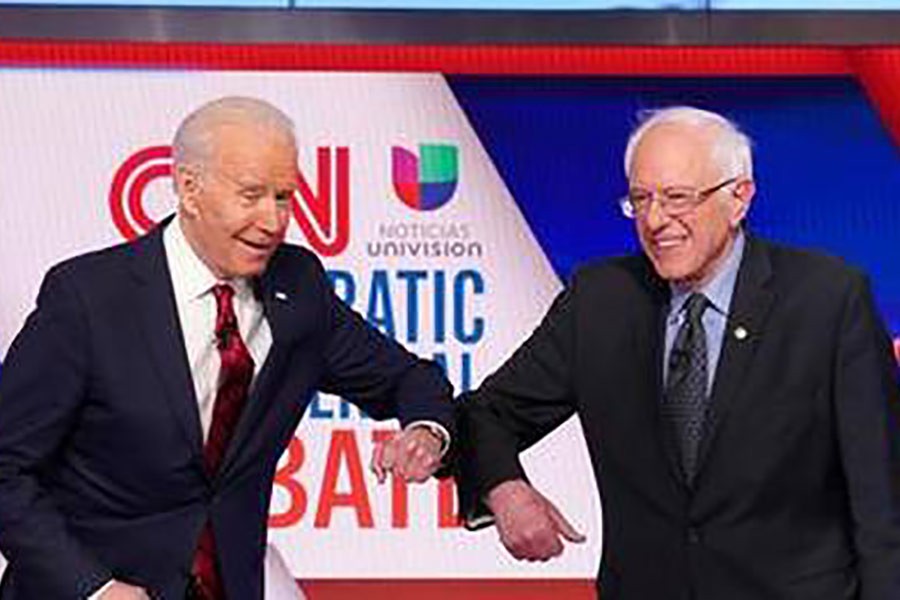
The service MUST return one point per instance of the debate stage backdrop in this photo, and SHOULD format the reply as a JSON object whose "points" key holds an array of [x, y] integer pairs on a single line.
{"points": [[449, 209]]}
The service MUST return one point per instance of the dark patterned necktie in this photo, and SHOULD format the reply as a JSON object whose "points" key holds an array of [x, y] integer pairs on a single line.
{"points": [[234, 382], [685, 401]]}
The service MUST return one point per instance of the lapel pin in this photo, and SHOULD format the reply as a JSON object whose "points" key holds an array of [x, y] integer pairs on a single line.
{"points": [[740, 333], [281, 296]]}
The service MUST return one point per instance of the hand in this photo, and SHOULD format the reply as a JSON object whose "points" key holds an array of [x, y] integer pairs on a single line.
{"points": [[530, 526], [124, 591], [414, 454]]}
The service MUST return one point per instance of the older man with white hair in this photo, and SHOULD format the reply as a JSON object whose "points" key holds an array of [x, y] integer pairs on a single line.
{"points": [[146, 401], [738, 399]]}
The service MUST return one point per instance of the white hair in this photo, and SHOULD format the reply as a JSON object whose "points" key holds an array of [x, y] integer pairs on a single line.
{"points": [[193, 139], [731, 149]]}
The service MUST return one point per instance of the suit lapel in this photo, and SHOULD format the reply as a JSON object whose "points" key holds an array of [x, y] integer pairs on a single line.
{"points": [[161, 327], [750, 309]]}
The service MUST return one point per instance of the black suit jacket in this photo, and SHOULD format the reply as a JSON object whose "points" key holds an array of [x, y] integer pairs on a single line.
{"points": [[798, 491], [101, 468]]}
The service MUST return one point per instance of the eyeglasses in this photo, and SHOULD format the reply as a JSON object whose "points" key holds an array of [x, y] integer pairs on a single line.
{"points": [[674, 200]]}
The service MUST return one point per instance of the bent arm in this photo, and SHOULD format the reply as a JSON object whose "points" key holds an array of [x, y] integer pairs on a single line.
{"points": [[379, 375], [526, 398]]}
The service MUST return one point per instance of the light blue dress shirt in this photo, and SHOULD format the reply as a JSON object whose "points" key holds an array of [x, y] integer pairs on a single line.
{"points": [[719, 291]]}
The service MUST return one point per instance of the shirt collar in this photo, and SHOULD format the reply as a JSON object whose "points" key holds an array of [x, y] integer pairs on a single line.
{"points": [[720, 288], [191, 278]]}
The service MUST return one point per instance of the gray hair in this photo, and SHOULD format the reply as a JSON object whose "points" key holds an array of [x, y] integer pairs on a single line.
{"points": [[193, 139], [732, 148]]}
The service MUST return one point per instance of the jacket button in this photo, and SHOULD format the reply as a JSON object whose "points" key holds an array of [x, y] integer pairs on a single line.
{"points": [[693, 535]]}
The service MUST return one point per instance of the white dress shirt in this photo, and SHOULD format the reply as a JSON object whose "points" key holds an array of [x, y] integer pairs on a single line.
{"points": [[192, 283]]}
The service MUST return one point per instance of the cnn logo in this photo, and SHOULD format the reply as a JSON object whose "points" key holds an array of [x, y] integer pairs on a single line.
{"points": [[322, 211]]}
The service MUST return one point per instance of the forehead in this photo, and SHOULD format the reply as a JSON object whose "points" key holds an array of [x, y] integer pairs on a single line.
{"points": [[253, 150], [674, 154]]}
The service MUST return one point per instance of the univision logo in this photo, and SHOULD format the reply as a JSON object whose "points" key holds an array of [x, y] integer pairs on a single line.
{"points": [[427, 181]]}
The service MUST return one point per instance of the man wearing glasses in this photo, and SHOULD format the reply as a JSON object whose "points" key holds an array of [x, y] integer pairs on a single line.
{"points": [[738, 399]]}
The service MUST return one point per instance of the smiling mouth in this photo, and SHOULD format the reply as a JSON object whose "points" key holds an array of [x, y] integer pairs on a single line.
{"points": [[665, 244], [257, 246]]}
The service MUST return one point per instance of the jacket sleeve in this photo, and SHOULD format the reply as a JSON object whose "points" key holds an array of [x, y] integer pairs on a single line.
{"points": [[380, 376], [867, 405], [43, 382], [527, 397]]}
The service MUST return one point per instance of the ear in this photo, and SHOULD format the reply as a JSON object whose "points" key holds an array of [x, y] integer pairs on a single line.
{"points": [[188, 187], [742, 196]]}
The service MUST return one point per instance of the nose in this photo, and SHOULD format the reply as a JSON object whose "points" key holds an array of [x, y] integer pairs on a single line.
{"points": [[272, 215], [655, 217]]}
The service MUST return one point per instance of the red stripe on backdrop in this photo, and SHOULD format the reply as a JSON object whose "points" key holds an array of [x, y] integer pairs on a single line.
{"points": [[877, 68], [476, 589], [546, 60]]}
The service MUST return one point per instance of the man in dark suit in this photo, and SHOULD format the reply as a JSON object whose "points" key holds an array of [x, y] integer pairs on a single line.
{"points": [[738, 399], [146, 401]]}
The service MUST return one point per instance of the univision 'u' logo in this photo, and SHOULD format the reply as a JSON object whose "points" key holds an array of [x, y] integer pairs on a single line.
{"points": [[427, 181]]}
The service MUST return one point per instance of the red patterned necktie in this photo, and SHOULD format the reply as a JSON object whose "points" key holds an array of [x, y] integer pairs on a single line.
{"points": [[234, 382]]}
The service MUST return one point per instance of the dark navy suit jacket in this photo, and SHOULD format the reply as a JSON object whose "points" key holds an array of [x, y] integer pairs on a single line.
{"points": [[101, 469], [797, 495]]}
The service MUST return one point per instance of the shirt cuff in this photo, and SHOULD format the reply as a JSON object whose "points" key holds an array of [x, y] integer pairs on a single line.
{"points": [[475, 522], [96, 595], [437, 429]]}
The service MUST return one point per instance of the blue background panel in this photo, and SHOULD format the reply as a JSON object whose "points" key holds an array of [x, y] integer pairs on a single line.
{"points": [[827, 172]]}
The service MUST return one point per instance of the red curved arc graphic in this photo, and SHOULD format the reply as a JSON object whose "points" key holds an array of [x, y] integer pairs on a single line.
{"points": [[117, 191], [136, 193]]}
